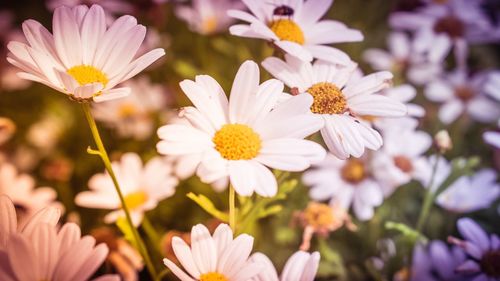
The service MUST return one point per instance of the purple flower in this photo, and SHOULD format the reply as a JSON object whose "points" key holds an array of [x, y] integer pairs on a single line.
{"points": [[437, 262], [483, 263]]}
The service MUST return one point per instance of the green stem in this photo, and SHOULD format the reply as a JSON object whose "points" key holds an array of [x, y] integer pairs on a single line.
{"points": [[150, 231], [429, 198], [232, 209], [107, 164]]}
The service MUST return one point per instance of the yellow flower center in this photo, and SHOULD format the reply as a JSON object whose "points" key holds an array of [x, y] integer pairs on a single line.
{"points": [[237, 142], [87, 74], [209, 25], [213, 276], [136, 199], [319, 215], [328, 99], [127, 110], [287, 30], [353, 171]]}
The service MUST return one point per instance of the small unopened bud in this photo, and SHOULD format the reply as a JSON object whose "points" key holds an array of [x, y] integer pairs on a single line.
{"points": [[443, 141]]}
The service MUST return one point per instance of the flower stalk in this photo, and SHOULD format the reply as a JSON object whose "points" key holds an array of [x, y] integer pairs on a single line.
{"points": [[102, 153], [232, 209]]}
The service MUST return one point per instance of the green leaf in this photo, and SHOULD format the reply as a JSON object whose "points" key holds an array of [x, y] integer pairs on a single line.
{"points": [[209, 207], [405, 230], [127, 231]]}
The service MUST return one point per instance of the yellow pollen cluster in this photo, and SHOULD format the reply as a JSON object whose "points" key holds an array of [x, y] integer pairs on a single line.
{"points": [[328, 99], [319, 215], [87, 74], [213, 276], [135, 199], [353, 171], [237, 142], [127, 110], [209, 25], [287, 30]]}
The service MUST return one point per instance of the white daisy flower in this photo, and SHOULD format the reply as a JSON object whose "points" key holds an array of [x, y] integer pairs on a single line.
{"points": [[400, 58], [240, 137], [346, 183], [41, 252], [301, 266], [439, 27], [133, 116], [340, 101], [9, 222], [394, 164], [208, 16], [460, 93], [21, 189], [471, 193], [83, 58], [295, 28], [492, 137], [143, 186], [423, 171], [216, 257]]}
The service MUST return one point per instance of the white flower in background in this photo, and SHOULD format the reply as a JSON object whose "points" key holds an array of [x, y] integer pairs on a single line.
{"points": [[21, 189], [143, 186], [459, 93], [295, 28], [493, 137], [47, 132], [214, 257], [83, 58], [438, 27], [208, 16], [346, 183], [133, 116], [394, 164], [492, 85], [471, 193], [42, 252], [7, 129], [240, 137], [117, 7], [423, 171], [400, 58], [301, 266], [339, 101], [9, 221]]}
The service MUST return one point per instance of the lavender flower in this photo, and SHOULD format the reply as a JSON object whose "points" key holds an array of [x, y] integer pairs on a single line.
{"points": [[437, 262]]}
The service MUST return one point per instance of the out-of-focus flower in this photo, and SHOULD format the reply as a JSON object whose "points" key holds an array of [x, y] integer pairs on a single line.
{"points": [[214, 257], [402, 60], [125, 258], [240, 137], [459, 93], [83, 58], [301, 266], [321, 219], [133, 116], [339, 102], [42, 252], [492, 85], [443, 141], [296, 28], [143, 186], [346, 183], [115, 7], [394, 164], [483, 262], [9, 221], [471, 193], [436, 262], [7, 129], [46, 133], [423, 171], [492, 138], [21, 189], [208, 16], [58, 169], [438, 27]]}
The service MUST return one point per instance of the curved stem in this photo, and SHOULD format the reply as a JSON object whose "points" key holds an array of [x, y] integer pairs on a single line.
{"points": [[232, 209], [107, 164]]}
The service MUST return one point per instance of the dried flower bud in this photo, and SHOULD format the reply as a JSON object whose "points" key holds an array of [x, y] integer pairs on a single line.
{"points": [[443, 141]]}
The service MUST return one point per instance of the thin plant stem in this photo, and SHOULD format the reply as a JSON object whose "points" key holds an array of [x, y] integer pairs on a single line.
{"points": [[107, 164], [232, 209], [429, 198], [150, 231]]}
